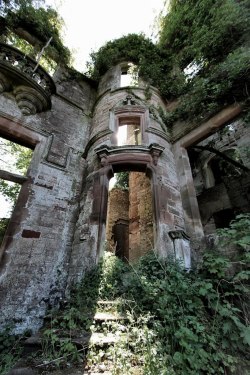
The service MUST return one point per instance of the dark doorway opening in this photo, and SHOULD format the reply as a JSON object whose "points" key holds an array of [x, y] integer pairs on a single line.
{"points": [[130, 224], [120, 232]]}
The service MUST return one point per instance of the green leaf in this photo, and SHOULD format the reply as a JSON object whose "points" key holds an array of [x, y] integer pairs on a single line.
{"points": [[245, 334]]}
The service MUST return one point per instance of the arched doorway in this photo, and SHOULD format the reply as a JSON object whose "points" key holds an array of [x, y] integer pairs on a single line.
{"points": [[138, 162]]}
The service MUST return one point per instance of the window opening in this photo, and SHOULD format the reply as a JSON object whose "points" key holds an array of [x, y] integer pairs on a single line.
{"points": [[223, 218], [129, 226], [129, 75], [14, 162], [220, 183], [129, 131]]}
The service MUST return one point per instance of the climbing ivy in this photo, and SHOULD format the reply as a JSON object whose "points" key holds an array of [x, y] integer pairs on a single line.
{"points": [[42, 23], [201, 59], [136, 48]]}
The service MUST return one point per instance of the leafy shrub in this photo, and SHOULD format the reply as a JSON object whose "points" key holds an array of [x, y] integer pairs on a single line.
{"points": [[196, 316], [10, 350], [179, 323]]}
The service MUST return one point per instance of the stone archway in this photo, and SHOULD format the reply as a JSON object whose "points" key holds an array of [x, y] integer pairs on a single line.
{"points": [[129, 158]]}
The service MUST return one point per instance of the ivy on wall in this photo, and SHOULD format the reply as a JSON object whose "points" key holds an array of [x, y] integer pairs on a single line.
{"points": [[34, 22], [201, 59]]}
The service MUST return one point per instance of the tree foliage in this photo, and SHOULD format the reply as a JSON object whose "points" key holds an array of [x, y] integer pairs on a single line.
{"points": [[122, 180], [15, 159], [153, 62], [202, 57], [204, 30], [32, 21]]}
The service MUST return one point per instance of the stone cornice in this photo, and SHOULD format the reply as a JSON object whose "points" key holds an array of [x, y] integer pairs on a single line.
{"points": [[151, 152]]}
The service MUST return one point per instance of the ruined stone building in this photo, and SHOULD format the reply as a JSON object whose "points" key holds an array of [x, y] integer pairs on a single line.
{"points": [[177, 192]]}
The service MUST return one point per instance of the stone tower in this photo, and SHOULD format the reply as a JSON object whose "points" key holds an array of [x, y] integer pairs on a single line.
{"points": [[57, 230]]}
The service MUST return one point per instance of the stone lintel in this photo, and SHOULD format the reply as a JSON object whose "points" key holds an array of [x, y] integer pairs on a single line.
{"points": [[16, 131], [137, 154], [121, 149]]}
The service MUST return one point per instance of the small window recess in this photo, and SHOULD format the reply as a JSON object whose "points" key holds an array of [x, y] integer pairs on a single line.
{"points": [[129, 75], [129, 131], [14, 163]]}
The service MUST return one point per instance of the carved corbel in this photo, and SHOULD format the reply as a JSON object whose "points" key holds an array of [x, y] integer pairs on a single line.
{"points": [[103, 152], [155, 152], [29, 100]]}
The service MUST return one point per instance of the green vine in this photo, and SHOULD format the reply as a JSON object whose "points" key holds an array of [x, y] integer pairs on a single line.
{"points": [[202, 57], [40, 22]]}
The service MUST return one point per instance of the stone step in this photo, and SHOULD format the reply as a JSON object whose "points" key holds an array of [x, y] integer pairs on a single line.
{"points": [[108, 302], [106, 339], [36, 340], [84, 339], [105, 316], [22, 371]]}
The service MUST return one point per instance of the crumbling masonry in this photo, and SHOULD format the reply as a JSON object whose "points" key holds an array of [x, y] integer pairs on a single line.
{"points": [[57, 230]]}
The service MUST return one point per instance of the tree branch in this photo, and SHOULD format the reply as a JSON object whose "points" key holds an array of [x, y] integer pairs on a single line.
{"points": [[17, 178]]}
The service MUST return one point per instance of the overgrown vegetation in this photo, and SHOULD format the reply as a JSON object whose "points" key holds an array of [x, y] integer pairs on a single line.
{"points": [[10, 350], [36, 23], [16, 159], [202, 57], [122, 180], [178, 322]]}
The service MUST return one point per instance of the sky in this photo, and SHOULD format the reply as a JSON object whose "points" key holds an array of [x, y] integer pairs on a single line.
{"points": [[90, 24]]}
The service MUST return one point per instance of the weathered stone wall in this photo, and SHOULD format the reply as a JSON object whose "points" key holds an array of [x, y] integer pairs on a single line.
{"points": [[213, 200], [57, 231], [37, 245], [219, 185], [168, 214], [133, 206], [118, 209], [238, 190], [141, 231]]}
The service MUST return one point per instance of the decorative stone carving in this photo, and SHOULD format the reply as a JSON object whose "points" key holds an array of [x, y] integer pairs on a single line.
{"points": [[155, 151], [102, 153], [29, 100], [129, 100], [32, 85]]}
